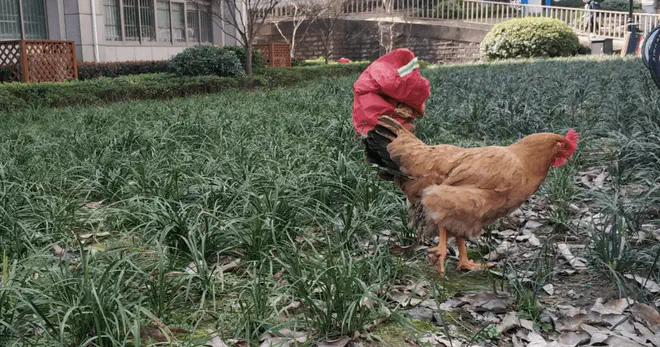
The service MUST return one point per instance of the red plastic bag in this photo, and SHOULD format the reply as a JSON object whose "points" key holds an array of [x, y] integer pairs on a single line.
{"points": [[344, 60], [391, 80]]}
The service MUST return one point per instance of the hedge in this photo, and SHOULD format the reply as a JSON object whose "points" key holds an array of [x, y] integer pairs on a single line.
{"points": [[89, 70], [98, 91], [95, 70], [534, 37]]}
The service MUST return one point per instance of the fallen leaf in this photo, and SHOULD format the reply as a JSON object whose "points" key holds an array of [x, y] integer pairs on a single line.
{"points": [[573, 339], [191, 269], [239, 343], [527, 324], [434, 305], [654, 338], [649, 284], [570, 323], [154, 333], [516, 341], [403, 299], [534, 241], [536, 340], [620, 341], [612, 306], [419, 289], [600, 179], [421, 313], [216, 342], [549, 288], [509, 322], [340, 342], [94, 204], [503, 249], [595, 318], [487, 301], [532, 225], [646, 314], [574, 261], [227, 264]]}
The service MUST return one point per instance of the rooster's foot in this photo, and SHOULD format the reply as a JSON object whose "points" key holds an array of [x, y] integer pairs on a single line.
{"points": [[437, 250], [470, 265]]}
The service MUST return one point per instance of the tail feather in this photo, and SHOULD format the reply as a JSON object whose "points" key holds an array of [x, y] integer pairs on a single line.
{"points": [[376, 144]]}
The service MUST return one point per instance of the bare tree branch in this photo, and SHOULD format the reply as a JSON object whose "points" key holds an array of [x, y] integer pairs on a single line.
{"points": [[303, 11], [246, 17], [330, 14]]}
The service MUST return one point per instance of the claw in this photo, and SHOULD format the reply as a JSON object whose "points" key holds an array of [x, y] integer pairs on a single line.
{"points": [[470, 265]]}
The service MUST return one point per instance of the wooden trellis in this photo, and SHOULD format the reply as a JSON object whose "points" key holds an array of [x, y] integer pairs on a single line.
{"points": [[38, 61], [275, 54]]}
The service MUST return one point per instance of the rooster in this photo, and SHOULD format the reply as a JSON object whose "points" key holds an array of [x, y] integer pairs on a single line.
{"points": [[457, 191]]}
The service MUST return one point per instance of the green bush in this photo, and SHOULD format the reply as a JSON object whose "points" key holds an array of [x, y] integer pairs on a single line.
{"points": [[568, 3], [619, 5], [528, 38], [607, 5], [308, 62], [155, 86], [205, 61], [96, 70], [257, 58]]}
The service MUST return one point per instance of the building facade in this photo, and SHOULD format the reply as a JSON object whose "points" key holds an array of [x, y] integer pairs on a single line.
{"points": [[117, 30]]}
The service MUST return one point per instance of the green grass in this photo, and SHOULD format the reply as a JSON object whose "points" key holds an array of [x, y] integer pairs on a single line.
{"points": [[275, 178]]}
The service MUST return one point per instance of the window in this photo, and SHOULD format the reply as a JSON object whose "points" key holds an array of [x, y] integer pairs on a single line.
{"points": [[164, 21], [206, 24], [151, 20], [199, 23], [131, 20], [31, 26], [178, 23], [139, 20], [147, 20], [193, 23], [34, 22], [112, 20]]}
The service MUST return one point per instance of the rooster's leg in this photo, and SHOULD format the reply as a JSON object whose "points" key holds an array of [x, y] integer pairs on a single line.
{"points": [[441, 250], [463, 262]]}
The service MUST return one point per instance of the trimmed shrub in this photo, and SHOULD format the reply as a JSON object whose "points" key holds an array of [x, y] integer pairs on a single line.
{"points": [[241, 53], [529, 38], [96, 70], [206, 61], [99, 91]]}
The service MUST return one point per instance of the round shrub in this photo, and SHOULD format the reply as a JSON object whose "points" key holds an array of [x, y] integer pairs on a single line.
{"points": [[206, 60], [529, 38], [241, 53]]}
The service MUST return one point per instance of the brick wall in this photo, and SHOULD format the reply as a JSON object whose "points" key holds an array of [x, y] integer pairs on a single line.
{"points": [[359, 40]]}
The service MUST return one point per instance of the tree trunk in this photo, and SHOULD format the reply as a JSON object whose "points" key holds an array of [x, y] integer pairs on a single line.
{"points": [[248, 59]]}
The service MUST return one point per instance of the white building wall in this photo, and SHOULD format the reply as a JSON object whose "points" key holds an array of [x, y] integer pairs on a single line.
{"points": [[72, 20]]}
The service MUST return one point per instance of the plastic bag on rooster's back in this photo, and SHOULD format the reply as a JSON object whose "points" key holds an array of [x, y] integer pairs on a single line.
{"points": [[386, 87]]}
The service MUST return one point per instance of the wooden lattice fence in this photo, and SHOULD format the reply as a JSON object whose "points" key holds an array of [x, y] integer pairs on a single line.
{"points": [[275, 54], [37, 61]]}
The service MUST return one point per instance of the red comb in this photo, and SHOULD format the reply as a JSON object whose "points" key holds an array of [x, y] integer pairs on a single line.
{"points": [[572, 138]]}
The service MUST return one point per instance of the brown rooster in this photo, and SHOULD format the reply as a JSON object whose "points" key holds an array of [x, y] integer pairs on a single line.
{"points": [[457, 191]]}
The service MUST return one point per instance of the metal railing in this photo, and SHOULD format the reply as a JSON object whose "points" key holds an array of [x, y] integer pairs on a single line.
{"points": [[610, 24]]}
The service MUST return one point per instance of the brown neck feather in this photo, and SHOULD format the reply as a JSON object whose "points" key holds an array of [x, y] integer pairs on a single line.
{"points": [[537, 152]]}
